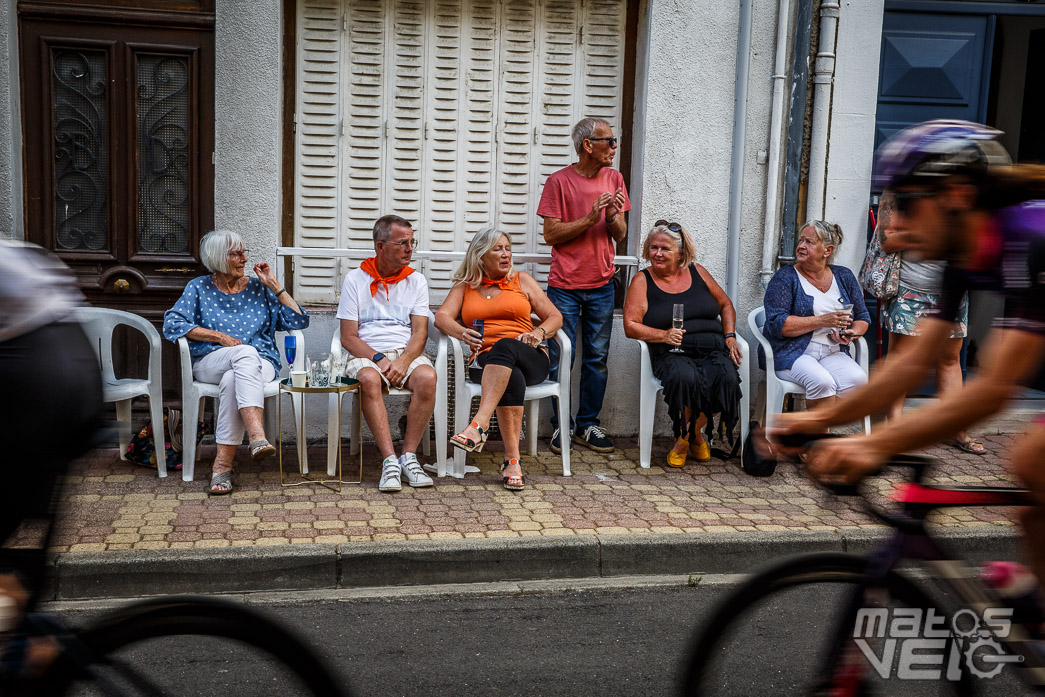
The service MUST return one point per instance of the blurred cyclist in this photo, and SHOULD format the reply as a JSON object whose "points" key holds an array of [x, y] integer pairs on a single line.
{"points": [[52, 393], [957, 200]]}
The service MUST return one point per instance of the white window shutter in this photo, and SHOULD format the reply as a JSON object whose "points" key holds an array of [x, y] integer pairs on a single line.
{"points": [[405, 113], [444, 125], [317, 180], [453, 114], [514, 136], [362, 153]]}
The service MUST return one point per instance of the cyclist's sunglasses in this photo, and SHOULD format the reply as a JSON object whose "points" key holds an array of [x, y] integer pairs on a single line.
{"points": [[612, 141], [904, 200], [674, 227]]}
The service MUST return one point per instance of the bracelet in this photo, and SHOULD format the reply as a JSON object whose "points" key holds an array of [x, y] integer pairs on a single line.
{"points": [[730, 335], [281, 292], [610, 221], [544, 332]]}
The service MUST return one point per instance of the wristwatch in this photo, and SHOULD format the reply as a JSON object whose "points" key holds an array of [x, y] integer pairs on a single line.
{"points": [[377, 357], [730, 335]]}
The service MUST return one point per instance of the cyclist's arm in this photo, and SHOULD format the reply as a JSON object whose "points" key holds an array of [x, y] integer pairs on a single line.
{"points": [[899, 373], [1012, 358]]}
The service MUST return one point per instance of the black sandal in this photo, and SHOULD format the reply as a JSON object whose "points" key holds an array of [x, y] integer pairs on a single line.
{"points": [[468, 444], [515, 482]]}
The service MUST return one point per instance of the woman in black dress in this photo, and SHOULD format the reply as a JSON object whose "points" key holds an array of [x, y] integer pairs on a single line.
{"points": [[702, 380]]}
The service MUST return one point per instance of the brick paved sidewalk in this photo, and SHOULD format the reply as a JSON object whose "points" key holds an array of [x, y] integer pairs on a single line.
{"points": [[113, 505]]}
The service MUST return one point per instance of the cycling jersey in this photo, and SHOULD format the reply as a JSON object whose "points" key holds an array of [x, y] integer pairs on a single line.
{"points": [[1010, 259]]}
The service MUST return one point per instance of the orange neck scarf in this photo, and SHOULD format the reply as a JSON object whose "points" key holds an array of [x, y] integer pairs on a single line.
{"points": [[501, 283], [370, 266]]}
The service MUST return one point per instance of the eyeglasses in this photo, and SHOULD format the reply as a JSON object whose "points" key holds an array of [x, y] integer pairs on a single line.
{"points": [[241, 253], [412, 244], [674, 227], [904, 200], [612, 141]]}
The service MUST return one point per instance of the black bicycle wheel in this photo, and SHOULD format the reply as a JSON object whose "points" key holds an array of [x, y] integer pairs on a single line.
{"points": [[188, 646], [774, 634]]}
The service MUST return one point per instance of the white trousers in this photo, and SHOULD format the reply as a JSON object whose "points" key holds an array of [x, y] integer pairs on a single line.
{"points": [[241, 374], [824, 371]]}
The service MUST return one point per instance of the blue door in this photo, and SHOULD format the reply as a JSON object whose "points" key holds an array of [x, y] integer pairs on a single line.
{"points": [[933, 66]]}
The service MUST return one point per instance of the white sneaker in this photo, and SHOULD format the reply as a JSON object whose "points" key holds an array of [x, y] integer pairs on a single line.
{"points": [[411, 468], [390, 480]]}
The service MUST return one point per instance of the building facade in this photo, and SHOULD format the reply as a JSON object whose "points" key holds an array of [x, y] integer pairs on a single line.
{"points": [[302, 121]]}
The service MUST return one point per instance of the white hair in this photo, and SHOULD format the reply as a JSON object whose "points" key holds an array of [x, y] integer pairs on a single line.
{"points": [[215, 247], [471, 269], [585, 129]]}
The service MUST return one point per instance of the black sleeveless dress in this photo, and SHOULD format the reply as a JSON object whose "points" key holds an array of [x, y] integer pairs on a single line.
{"points": [[703, 378]]}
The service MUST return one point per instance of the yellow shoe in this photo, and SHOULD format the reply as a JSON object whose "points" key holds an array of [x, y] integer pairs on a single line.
{"points": [[675, 458], [701, 452]]}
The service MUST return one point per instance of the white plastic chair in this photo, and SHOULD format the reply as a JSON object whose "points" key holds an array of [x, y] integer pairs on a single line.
{"points": [[465, 390], [649, 386], [438, 416], [777, 389], [99, 324], [193, 393]]}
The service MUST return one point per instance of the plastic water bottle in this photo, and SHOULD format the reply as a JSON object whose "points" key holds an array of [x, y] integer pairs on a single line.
{"points": [[1018, 588]]}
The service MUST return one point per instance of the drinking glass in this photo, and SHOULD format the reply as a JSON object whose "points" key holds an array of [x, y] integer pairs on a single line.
{"points": [[338, 361], [478, 325], [290, 348], [678, 316], [319, 371]]}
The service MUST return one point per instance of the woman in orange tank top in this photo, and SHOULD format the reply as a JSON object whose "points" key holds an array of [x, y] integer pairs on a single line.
{"points": [[507, 354]]}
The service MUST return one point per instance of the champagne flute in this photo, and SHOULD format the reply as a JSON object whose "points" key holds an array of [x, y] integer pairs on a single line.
{"points": [[290, 348], [678, 316]]}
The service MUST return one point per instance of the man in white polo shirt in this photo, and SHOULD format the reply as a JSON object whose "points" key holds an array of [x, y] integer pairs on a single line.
{"points": [[384, 325]]}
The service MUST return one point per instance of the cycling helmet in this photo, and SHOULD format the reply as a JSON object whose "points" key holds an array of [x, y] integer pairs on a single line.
{"points": [[937, 149]]}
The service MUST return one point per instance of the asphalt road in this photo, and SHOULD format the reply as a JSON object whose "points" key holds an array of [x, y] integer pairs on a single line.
{"points": [[604, 641]]}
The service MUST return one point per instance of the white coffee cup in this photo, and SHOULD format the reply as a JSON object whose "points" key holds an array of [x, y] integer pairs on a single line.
{"points": [[297, 378]]}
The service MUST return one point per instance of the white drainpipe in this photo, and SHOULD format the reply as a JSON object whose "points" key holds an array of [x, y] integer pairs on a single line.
{"points": [[823, 80], [736, 175], [771, 229]]}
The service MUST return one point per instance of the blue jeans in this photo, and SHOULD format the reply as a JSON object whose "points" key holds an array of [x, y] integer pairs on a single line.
{"points": [[593, 310]]}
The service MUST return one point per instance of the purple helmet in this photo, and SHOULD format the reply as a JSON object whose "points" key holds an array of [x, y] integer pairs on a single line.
{"points": [[937, 149]]}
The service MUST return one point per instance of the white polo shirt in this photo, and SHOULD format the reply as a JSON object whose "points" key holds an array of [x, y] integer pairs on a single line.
{"points": [[384, 320]]}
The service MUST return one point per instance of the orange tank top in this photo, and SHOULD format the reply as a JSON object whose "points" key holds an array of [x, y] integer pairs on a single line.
{"points": [[507, 314]]}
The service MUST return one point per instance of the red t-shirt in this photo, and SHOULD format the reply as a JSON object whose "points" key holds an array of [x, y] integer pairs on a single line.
{"points": [[586, 261]]}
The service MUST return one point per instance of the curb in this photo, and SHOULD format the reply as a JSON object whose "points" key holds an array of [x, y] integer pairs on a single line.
{"points": [[83, 576]]}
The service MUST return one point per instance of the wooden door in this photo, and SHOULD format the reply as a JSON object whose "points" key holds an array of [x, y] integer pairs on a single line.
{"points": [[118, 124]]}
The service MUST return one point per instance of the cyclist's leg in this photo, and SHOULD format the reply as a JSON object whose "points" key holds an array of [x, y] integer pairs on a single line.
{"points": [[1029, 466]]}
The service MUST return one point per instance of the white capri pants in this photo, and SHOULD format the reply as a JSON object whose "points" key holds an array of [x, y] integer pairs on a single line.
{"points": [[824, 371], [241, 374]]}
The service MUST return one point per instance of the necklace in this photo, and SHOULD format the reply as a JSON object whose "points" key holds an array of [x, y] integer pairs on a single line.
{"points": [[822, 285], [229, 288]]}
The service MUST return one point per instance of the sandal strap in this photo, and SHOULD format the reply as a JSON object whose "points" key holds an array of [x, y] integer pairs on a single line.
{"points": [[221, 479]]}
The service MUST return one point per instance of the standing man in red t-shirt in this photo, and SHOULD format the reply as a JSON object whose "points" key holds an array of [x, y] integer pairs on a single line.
{"points": [[583, 208]]}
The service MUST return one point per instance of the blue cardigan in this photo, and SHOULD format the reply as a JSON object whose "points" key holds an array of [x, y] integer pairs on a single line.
{"points": [[784, 296]]}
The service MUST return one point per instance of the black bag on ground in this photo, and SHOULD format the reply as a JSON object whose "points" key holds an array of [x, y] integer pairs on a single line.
{"points": [[750, 461]]}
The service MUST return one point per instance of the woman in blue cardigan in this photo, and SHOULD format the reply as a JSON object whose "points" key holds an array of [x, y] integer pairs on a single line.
{"points": [[806, 324]]}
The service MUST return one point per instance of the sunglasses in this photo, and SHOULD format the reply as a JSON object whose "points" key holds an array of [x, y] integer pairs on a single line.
{"points": [[612, 141], [904, 200], [674, 227]]}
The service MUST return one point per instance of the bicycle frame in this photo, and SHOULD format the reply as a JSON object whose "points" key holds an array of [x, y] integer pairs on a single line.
{"points": [[912, 542]]}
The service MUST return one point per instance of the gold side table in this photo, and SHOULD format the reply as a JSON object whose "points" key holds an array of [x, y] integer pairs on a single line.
{"points": [[339, 387]]}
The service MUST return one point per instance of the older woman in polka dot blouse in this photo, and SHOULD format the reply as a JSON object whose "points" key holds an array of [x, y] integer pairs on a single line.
{"points": [[231, 322]]}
